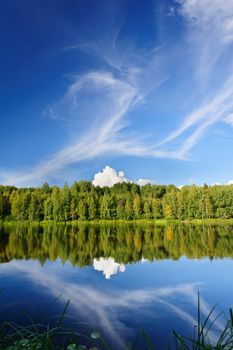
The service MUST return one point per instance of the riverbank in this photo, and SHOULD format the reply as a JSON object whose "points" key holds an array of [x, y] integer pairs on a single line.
{"points": [[163, 222]]}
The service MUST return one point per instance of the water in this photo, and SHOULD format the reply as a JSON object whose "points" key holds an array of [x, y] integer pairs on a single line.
{"points": [[119, 278]]}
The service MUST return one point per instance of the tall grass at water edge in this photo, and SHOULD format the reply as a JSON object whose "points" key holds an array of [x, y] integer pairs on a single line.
{"points": [[43, 337]]}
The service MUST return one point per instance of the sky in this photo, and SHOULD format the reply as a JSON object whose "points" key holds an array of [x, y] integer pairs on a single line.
{"points": [[142, 87]]}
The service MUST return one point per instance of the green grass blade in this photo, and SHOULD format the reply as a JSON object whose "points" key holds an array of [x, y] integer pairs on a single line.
{"points": [[178, 337], [63, 314], [148, 341]]}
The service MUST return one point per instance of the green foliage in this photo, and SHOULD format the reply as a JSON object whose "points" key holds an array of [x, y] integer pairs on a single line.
{"points": [[124, 201], [137, 206]]}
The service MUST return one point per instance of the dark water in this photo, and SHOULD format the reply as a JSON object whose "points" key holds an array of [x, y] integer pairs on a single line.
{"points": [[119, 278]]}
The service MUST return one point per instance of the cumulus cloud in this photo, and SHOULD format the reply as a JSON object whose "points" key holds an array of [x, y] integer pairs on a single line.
{"points": [[110, 176], [108, 266]]}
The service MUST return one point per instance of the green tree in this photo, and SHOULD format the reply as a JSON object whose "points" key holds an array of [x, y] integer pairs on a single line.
{"points": [[65, 202], [48, 209], [35, 209], [128, 208], [92, 208], [82, 209], [137, 206]]}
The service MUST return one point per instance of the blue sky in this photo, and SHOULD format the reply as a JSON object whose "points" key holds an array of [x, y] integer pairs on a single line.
{"points": [[143, 86]]}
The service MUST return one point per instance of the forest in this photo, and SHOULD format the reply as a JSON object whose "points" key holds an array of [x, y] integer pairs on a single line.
{"points": [[123, 201]]}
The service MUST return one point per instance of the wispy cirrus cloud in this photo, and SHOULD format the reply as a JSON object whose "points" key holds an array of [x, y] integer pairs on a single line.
{"points": [[229, 119], [206, 12], [99, 104], [202, 118], [209, 34], [96, 104], [119, 97]]}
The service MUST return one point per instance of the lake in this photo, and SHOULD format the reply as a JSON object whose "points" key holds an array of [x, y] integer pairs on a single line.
{"points": [[119, 278]]}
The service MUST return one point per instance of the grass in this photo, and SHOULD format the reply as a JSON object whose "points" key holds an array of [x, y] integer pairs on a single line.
{"points": [[14, 336], [203, 333], [202, 338], [43, 337]]}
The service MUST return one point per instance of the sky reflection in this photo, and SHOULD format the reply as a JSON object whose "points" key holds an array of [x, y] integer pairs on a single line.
{"points": [[113, 305]]}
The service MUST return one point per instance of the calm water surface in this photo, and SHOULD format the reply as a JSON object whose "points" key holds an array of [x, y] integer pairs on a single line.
{"points": [[119, 278]]}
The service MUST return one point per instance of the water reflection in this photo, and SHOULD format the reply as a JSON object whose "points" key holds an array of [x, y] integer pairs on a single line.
{"points": [[109, 306], [81, 244], [108, 266], [157, 291]]}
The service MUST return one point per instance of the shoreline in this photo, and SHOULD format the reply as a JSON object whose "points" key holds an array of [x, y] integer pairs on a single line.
{"points": [[163, 222]]}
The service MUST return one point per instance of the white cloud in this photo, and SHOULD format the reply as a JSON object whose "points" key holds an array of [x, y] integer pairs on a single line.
{"points": [[108, 266], [228, 30], [229, 119], [209, 113], [110, 176], [209, 30], [143, 182], [209, 35], [215, 15], [219, 184]]}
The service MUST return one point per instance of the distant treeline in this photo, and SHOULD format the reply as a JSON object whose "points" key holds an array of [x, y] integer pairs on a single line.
{"points": [[123, 201]]}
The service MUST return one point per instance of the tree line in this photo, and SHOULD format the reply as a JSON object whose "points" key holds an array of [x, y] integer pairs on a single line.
{"points": [[123, 201], [126, 243]]}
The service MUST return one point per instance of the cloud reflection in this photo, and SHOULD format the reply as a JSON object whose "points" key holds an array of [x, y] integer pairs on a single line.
{"points": [[108, 266], [106, 305]]}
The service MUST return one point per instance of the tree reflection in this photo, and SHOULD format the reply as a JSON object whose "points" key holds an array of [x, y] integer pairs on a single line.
{"points": [[125, 243]]}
